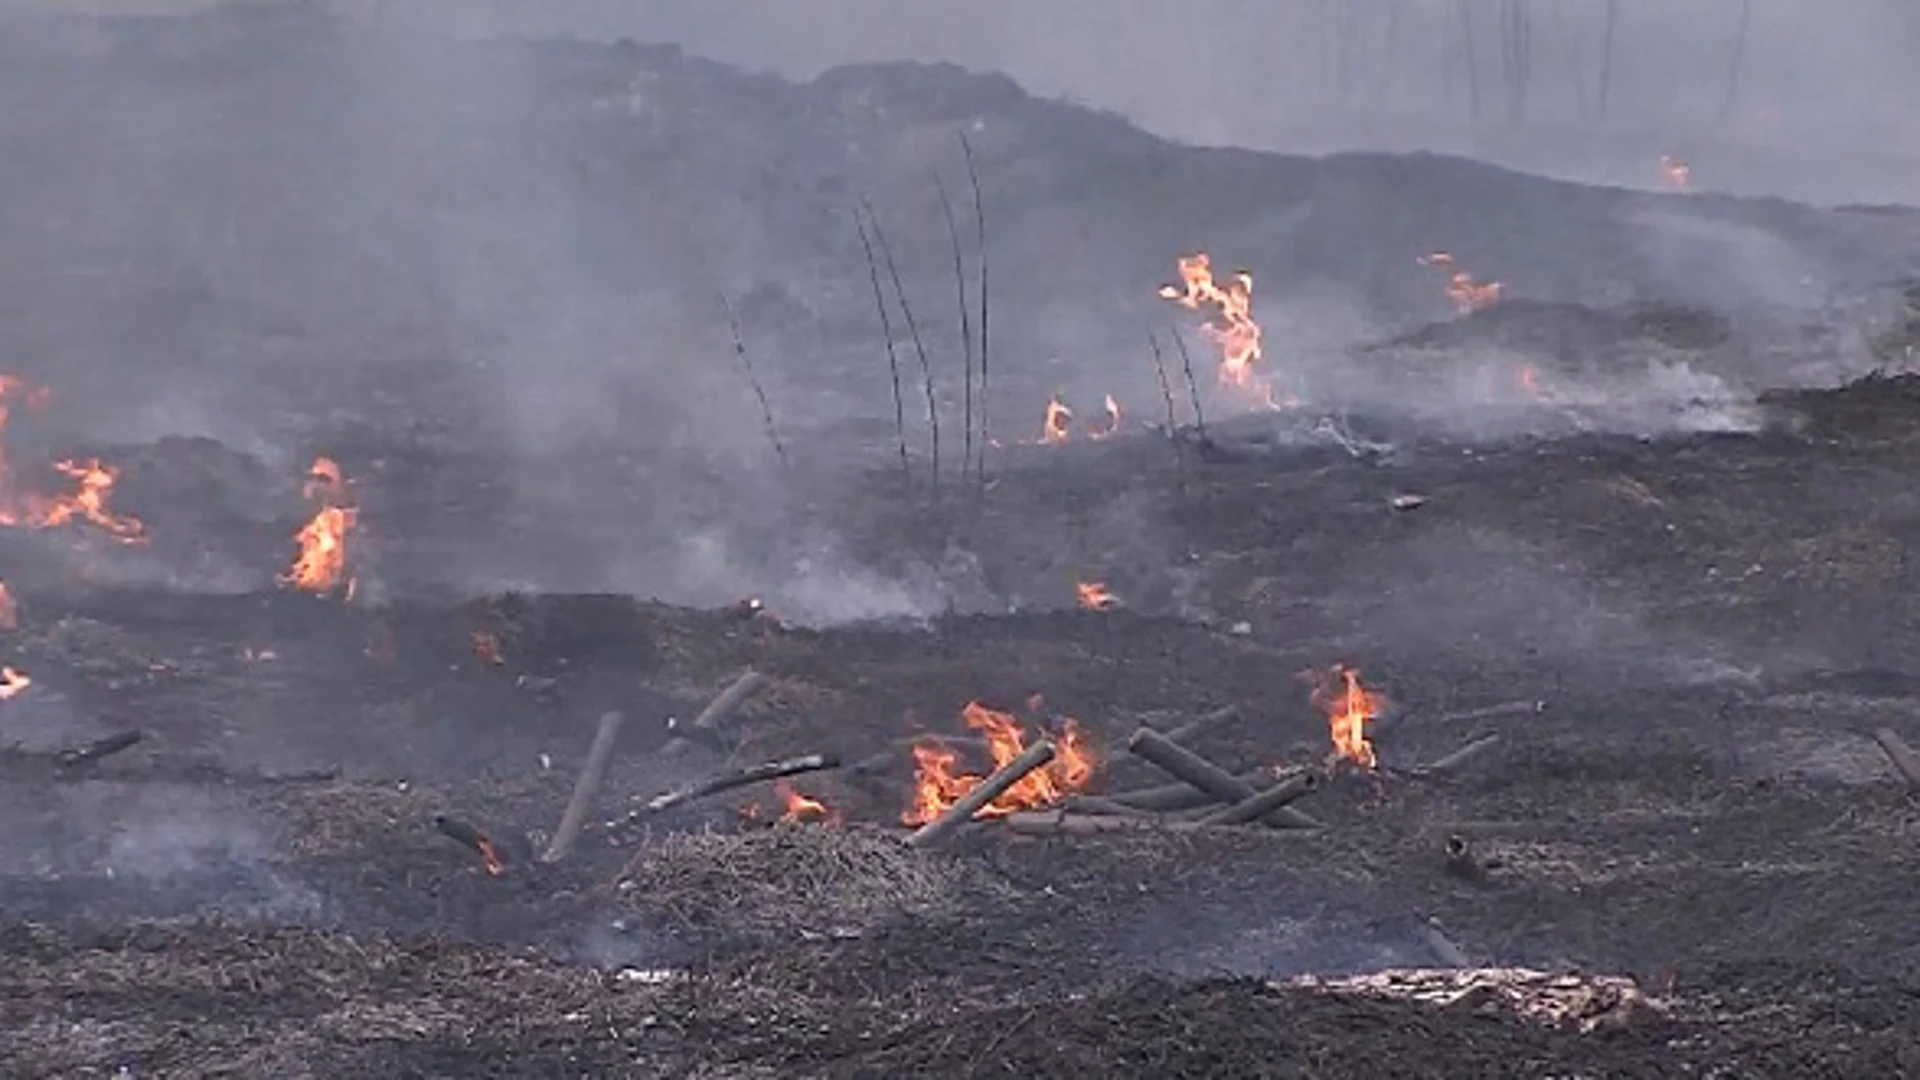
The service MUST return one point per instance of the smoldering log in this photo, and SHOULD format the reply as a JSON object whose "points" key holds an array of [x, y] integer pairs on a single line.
{"points": [[103, 747], [739, 778], [1068, 823], [1904, 760], [1444, 950], [592, 774], [1459, 757], [994, 786], [1204, 775], [1262, 803], [1179, 795], [472, 839], [708, 727]]}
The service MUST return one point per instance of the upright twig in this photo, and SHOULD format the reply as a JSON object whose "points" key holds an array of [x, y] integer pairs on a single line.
{"points": [[1736, 64], [592, 775], [893, 358], [753, 380], [1173, 423], [980, 228], [1193, 384], [913, 334], [966, 327]]}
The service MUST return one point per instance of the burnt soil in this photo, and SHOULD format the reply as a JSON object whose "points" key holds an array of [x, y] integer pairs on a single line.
{"points": [[1683, 644]]}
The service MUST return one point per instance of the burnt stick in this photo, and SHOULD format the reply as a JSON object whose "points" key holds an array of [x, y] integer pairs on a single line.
{"points": [[994, 786], [1184, 764], [1173, 422], [913, 334], [1069, 823], [472, 839], [980, 228], [592, 775], [105, 746], [706, 726], [1205, 722], [1905, 761], [753, 380], [1103, 806], [893, 357], [966, 327], [1178, 795], [1459, 757], [1262, 803], [739, 778]]}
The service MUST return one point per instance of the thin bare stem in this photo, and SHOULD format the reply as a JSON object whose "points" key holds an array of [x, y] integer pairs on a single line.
{"points": [[1193, 384], [913, 333], [753, 380], [893, 358], [980, 223], [1173, 422], [966, 326]]}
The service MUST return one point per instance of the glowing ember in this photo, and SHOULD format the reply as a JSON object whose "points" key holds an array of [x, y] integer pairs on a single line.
{"points": [[1095, 596], [1350, 708], [1468, 294], [9, 614], [1235, 333], [937, 786], [1113, 421], [321, 566], [13, 682], [1674, 173], [799, 807], [1055, 429], [489, 857], [487, 647]]}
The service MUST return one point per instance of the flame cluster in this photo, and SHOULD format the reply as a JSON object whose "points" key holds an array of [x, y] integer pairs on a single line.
{"points": [[89, 497], [1467, 293], [1095, 596], [1235, 331], [1057, 427], [321, 565], [1675, 174], [937, 784], [799, 808], [1350, 707]]}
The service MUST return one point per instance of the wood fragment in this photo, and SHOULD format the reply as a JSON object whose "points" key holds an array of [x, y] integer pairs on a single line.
{"points": [[592, 774], [1061, 822], [1179, 795], [708, 726], [1204, 775], [1102, 805], [994, 786], [1186, 734], [1904, 760], [473, 840], [1459, 757], [739, 778], [1262, 803], [106, 746]]}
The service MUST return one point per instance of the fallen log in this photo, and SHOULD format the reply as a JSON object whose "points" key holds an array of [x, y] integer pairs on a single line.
{"points": [[1459, 757], [473, 840], [739, 778], [1444, 950], [1204, 775], [1262, 803], [592, 774], [1061, 822], [105, 746], [994, 786], [1179, 795], [708, 727], [1905, 761], [1103, 806]]}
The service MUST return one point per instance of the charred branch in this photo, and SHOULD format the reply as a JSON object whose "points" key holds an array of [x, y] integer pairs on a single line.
{"points": [[1168, 798], [1183, 764], [1062, 822], [739, 778], [1191, 731], [710, 725], [994, 786], [592, 775], [1262, 803], [1905, 761], [1450, 762], [103, 747], [473, 840]]}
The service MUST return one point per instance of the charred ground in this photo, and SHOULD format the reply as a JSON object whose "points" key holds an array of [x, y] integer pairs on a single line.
{"points": [[1683, 606]]}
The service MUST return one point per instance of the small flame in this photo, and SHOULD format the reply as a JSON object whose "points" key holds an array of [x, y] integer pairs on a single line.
{"points": [[1237, 334], [9, 614], [1055, 429], [13, 683], [937, 786], [1095, 596], [799, 807], [1113, 421], [487, 647], [489, 857], [1467, 293], [93, 484], [1350, 708], [321, 566], [1676, 174]]}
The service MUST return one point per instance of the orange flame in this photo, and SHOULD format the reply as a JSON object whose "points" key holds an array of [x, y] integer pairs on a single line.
{"points": [[13, 682], [1676, 174], [1095, 596], [799, 807], [937, 786], [1350, 708], [1113, 421], [9, 614], [1055, 430], [487, 647], [1468, 294], [489, 857], [87, 502], [1237, 333], [321, 566]]}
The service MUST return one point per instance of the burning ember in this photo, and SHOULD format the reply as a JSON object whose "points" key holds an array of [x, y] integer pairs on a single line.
{"points": [[937, 786], [1350, 708], [1056, 428], [321, 566], [9, 614], [1236, 333], [799, 807], [1095, 596], [1467, 294], [1674, 173], [13, 683], [93, 484]]}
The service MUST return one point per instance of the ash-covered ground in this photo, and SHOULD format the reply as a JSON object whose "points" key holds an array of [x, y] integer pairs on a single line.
{"points": [[1644, 515]]}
